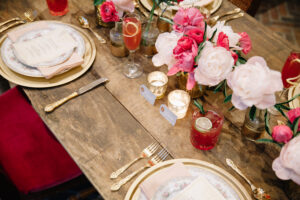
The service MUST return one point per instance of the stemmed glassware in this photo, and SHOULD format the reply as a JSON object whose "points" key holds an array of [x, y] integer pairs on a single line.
{"points": [[132, 32]]}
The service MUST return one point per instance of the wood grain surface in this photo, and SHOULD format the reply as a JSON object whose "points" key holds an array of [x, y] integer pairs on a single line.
{"points": [[108, 126]]}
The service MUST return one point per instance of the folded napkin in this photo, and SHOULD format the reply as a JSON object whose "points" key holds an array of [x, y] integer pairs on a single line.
{"points": [[154, 182], [199, 189], [48, 72]]}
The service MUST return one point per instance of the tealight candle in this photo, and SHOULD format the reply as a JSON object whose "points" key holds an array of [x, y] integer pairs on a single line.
{"points": [[178, 102], [157, 82]]}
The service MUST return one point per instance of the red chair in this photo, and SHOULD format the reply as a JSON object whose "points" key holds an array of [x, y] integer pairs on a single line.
{"points": [[30, 156]]}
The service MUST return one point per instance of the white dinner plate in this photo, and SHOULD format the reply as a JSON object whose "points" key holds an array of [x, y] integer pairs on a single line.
{"points": [[9, 58]]}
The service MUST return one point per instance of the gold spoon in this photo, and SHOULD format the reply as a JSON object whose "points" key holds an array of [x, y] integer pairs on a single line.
{"points": [[234, 17], [213, 20], [29, 15], [85, 24], [258, 193]]}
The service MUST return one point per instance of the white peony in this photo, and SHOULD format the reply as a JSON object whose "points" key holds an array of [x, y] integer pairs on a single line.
{"points": [[286, 166], [221, 27], [253, 83], [214, 65], [165, 44]]}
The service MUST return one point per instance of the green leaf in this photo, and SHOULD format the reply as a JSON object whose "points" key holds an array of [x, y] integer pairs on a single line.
{"points": [[295, 125], [298, 95], [98, 2], [281, 111], [167, 20], [218, 88], [268, 140], [227, 99], [225, 89], [252, 113], [213, 35], [284, 107], [199, 105], [267, 126], [230, 109]]}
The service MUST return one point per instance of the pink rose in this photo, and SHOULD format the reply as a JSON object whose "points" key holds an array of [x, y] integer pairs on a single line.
{"points": [[196, 34], [223, 41], [286, 166], [108, 12], [184, 43], [186, 19], [282, 133], [293, 114], [245, 42]]}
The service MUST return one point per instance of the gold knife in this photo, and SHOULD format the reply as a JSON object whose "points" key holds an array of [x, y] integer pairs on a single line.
{"points": [[52, 106]]}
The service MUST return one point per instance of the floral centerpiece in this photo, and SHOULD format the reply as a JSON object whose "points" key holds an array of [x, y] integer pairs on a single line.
{"points": [[109, 11]]}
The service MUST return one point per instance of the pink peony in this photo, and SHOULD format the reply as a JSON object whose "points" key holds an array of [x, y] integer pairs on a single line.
{"points": [[123, 5], [183, 44], [235, 56], [196, 34], [293, 114], [108, 12], [187, 19], [245, 42], [282, 133], [286, 166], [223, 41]]}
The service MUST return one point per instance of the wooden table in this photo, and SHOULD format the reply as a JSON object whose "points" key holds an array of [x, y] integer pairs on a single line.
{"points": [[107, 127]]}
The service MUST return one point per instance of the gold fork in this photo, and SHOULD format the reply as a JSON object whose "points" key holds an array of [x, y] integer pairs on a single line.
{"points": [[146, 153], [213, 20], [161, 156], [29, 15]]}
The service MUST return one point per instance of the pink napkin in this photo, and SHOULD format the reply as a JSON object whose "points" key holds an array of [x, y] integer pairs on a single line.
{"points": [[154, 182], [48, 72]]}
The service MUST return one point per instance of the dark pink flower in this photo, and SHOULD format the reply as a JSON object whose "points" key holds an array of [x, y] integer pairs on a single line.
{"points": [[185, 43], [235, 56], [108, 12], [293, 114], [186, 19], [245, 42], [282, 133], [196, 34], [223, 41]]}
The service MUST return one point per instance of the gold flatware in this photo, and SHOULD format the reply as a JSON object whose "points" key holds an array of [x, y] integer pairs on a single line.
{"points": [[85, 24], [29, 15], [213, 20], [234, 17], [146, 153], [258, 193], [84, 89], [161, 156], [138, 6]]}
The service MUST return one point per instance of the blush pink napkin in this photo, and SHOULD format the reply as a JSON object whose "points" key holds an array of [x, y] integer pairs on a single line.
{"points": [[48, 72], [153, 183]]}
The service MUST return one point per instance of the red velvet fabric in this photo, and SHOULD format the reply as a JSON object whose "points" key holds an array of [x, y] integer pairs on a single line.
{"points": [[29, 154]]}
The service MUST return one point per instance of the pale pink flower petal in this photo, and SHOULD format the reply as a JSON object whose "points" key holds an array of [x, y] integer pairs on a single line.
{"points": [[123, 5], [191, 81], [245, 42]]}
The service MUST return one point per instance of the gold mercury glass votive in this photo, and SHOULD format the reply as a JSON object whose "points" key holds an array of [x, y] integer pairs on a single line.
{"points": [[178, 102], [157, 82]]}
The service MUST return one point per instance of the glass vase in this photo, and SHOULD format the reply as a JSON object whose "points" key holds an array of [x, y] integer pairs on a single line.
{"points": [[252, 129], [149, 36], [163, 26], [117, 46], [196, 92]]}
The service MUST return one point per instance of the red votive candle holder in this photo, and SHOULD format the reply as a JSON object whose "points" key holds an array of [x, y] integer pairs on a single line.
{"points": [[58, 7], [206, 128]]}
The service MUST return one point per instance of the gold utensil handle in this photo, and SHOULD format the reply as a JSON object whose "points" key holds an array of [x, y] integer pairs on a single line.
{"points": [[10, 20], [101, 39], [234, 17], [122, 169], [11, 25], [51, 107], [237, 10], [117, 186]]}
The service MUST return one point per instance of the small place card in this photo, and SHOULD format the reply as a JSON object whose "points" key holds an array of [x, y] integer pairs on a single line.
{"points": [[147, 94], [168, 114]]}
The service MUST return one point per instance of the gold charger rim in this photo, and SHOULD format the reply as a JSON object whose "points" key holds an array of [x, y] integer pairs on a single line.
{"points": [[226, 176], [38, 82], [148, 6]]}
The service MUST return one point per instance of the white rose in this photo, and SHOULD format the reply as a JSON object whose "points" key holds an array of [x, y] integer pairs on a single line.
{"points": [[232, 36], [254, 83], [165, 44], [214, 65], [286, 166]]}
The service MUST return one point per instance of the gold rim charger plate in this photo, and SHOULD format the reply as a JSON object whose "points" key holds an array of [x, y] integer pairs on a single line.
{"points": [[220, 175], [212, 7], [37, 82]]}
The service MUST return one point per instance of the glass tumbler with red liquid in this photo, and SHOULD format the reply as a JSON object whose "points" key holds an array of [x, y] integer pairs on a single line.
{"points": [[132, 33], [58, 7], [206, 129]]}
